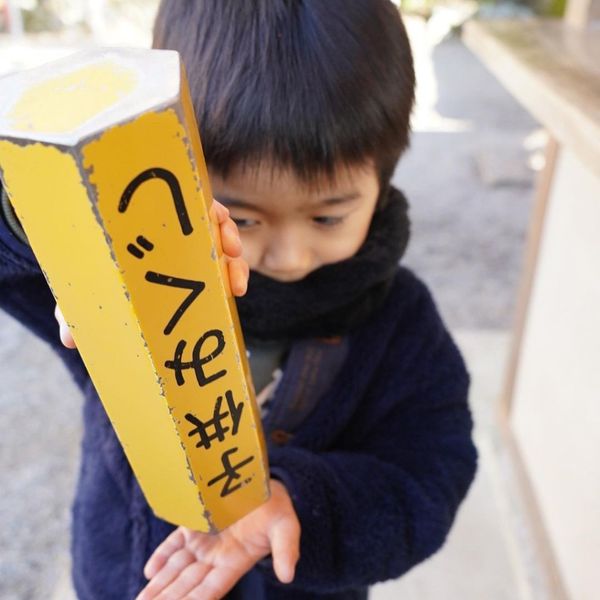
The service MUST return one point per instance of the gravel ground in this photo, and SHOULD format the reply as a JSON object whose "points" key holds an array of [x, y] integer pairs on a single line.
{"points": [[469, 186], [40, 424], [470, 194]]}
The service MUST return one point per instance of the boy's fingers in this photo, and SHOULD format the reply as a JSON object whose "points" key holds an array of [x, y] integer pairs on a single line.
{"points": [[173, 543], [175, 564], [66, 338], [285, 548], [218, 582], [221, 211], [230, 239], [185, 582], [65, 333], [238, 276]]}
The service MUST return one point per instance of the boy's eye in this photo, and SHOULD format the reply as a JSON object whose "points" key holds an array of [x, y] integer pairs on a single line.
{"points": [[244, 223], [328, 221]]}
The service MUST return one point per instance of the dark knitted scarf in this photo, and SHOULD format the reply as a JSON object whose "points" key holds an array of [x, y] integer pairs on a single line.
{"points": [[335, 298]]}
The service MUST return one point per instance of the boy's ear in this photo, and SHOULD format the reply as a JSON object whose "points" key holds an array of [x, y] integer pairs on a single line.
{"points": [[384, 194]]}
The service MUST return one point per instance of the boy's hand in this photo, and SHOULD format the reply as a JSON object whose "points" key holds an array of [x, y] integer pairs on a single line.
{"points": [[203, 566], [232, 248], [65, 333]]}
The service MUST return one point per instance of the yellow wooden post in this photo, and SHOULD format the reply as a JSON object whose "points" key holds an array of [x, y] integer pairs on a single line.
{"points": [[101, 158]]}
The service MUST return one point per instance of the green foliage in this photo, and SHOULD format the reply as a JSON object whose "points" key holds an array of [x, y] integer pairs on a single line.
{"points": [[545, 8]]}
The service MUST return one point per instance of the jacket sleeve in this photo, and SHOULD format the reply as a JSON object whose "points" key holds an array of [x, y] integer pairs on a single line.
{"points": [[375, 507]]}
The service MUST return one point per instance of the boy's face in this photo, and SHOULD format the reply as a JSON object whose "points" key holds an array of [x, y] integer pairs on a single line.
{"points": [[287, 229]]}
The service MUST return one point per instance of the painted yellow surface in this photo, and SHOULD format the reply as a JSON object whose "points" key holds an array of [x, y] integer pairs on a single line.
{"points": [[127, 245], [64, 103]]}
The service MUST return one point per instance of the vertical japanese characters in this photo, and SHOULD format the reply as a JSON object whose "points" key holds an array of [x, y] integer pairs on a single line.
{"points": [[222, 427]]}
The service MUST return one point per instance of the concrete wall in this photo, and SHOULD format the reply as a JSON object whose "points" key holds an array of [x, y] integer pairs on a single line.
{"points": [[556, 407]]}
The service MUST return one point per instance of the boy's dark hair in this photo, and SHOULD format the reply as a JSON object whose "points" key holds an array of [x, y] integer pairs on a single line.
{"points": [[306, 84]]}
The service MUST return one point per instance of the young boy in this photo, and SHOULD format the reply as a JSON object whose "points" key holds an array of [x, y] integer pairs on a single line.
{"points": [[303, 108]]}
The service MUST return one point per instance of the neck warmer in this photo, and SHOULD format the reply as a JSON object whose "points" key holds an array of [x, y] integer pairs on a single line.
{"points": [[335, 298]]}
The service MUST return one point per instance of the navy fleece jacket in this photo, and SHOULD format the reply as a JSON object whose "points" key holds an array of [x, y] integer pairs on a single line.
{"points": [[376, 472]]}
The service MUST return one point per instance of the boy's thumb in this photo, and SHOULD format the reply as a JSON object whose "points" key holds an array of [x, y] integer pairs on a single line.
{"points": [[285, 549]]}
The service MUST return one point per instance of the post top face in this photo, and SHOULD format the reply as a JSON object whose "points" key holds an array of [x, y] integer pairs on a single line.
{"points": [[70, 99]]}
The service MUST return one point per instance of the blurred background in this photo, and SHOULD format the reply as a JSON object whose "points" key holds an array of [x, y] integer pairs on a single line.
{"points": [[504, 185]]}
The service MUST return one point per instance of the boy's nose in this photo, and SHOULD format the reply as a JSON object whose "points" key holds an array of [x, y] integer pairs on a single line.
{"points": [[287, 257]]}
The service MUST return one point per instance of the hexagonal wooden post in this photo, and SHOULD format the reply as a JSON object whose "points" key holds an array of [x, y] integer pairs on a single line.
{"points": [[101, 158]]}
